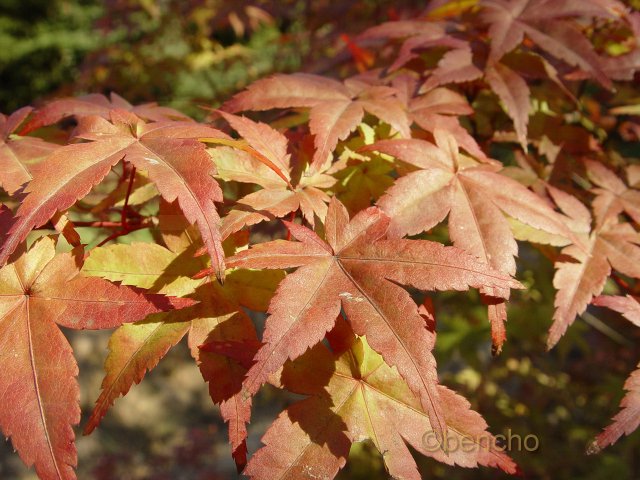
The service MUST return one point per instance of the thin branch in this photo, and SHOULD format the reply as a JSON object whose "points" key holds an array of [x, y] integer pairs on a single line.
{"points": [[605, 329], [126, 198], [121, 233], [146, 222]]}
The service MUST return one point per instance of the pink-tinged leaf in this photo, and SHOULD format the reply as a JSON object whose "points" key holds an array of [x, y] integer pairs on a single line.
{"points": [[383, 103], [37, 411], [38, 391], [582, 274], [514, 93], [236, 220], [577, 212], [278, 197], [331, 122], [504, 32], [9, 124], [418, 35], [19, 156], [96, 104], [270, 143], [67, 183], [237, 165], [182, 171], [315, 447], [441, 101], [302, 311], [439, 109], [548, 24], [622, 67], [424, 265], [451, 184], [278, 254], [577, 283], [175, 161], [304, 235], [402, 29], [287, 91], [456, 66], [612, 195], [627, 420], [336, 109], [257, 163], [313, 203], [357, 276], [469, 184], [628, 306], [277, 202], [567, 43]]}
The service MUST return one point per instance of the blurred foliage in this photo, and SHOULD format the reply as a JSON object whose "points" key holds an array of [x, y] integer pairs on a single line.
{"points": [[41, 44], [181, 53]]}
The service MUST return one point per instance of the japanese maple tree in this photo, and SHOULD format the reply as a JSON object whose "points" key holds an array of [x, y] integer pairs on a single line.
{"points": [[335, 209]]}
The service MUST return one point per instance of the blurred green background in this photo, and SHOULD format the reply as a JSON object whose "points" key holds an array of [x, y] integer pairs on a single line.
{"points": [[190, 54], [179, 53]]}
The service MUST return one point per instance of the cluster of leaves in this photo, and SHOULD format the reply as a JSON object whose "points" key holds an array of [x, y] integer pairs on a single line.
{"points": [[343, 283]]}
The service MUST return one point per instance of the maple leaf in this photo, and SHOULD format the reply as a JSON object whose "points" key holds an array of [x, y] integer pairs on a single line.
{"points": [[438, 108], [137, 348], [358, 270], [455, 66], [336, 109], [169, 152], [548, 24], [280, 193], [19, 156], [612, 195], [403, 29], [417, 35], [627, 420], [449, 183], [38, 392], [355, 396], [507, 80], [514, 93], [628, 306], [582, 272], [96, 104]]}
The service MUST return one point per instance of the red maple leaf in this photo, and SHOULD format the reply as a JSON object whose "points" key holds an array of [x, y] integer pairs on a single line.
{"points": [[38, 391]]}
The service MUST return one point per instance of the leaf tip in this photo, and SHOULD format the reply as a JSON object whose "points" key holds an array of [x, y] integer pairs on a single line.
{"points": [[593, 448]]}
